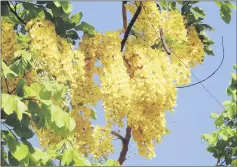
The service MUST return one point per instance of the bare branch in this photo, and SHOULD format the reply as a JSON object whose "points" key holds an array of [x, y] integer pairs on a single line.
{"points": [[126, 34], [125, 143], [114, 133], [125, 24], [6, 84], [15, 13]]}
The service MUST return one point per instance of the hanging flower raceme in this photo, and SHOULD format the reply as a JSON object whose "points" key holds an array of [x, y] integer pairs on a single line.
{"points": [[9, 41]]}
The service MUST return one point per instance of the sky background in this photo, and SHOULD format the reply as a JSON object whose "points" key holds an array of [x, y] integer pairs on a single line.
{"points": [[183, 146]]}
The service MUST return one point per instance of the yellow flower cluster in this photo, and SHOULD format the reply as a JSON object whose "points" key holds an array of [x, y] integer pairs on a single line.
{"points": [[153, 92], [153, 73], [9, 41], [46, 137], [50, 48], [88, 140], [115, 88], [186, 56], [138, 85]]}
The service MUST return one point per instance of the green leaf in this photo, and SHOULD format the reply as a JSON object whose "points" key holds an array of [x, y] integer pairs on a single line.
{"points": [[25, 161], [67, 157], [72, 34], [235, 66], [219, 122], [42, 2], [20, 109], [234, 162], [208, 27], [230, 5], [24, 132], [19, 87], [86, 28], [59, 26], [12, 160], [226, 103], [218, 3], [12, 103], [58, 115], [57, 3], [111, 163], [33, 90], [10, 140], [214, 115], [77, 17], [25, 120], [8, 103], [40, 155], [21, 152], [7, 70], [208, 51], [198, 12], [71, 124], [37, 115], [44, 94], [4, 8], [225, 13], [67, 6], [211, 139], [93, 114]]}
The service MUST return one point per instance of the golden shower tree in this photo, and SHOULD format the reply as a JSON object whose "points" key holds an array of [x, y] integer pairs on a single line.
{"points": [[47, 83]]}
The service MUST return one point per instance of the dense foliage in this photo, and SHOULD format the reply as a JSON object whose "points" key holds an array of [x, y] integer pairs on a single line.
{"points": [[48, 89], [223, 142]]}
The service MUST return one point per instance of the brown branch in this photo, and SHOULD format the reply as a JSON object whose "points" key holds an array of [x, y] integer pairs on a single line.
{"points": [[125, 143], [125, 24], [114, 133], [218, 161], [117, 135], [15, 13], [127, 32], [25, 73], [6, 84], [164, 44]]}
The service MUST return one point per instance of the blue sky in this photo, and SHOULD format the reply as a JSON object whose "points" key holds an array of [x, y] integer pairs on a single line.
{"points": [[183, 146]]}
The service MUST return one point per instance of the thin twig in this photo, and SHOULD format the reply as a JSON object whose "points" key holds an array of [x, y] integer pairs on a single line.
{"points": [[117, 135], [164, 44], [15, 13], [25, 73], [6, 84], [114, 133], [125, 143], [218, 161], [126, 34], [124, 13]]}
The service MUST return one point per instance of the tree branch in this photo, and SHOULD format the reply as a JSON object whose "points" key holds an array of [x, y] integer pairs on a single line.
{"points": [[6, 84], [218, 161], [126, 34], [125, 143], [164, 44], [114, 133], [15, 13], [25, 73], [124, 13]]}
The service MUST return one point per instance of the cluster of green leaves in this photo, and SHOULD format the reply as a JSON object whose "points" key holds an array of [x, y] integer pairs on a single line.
{"points": [[195, 16], [223, 142], [59, 12], [38, 103]]}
